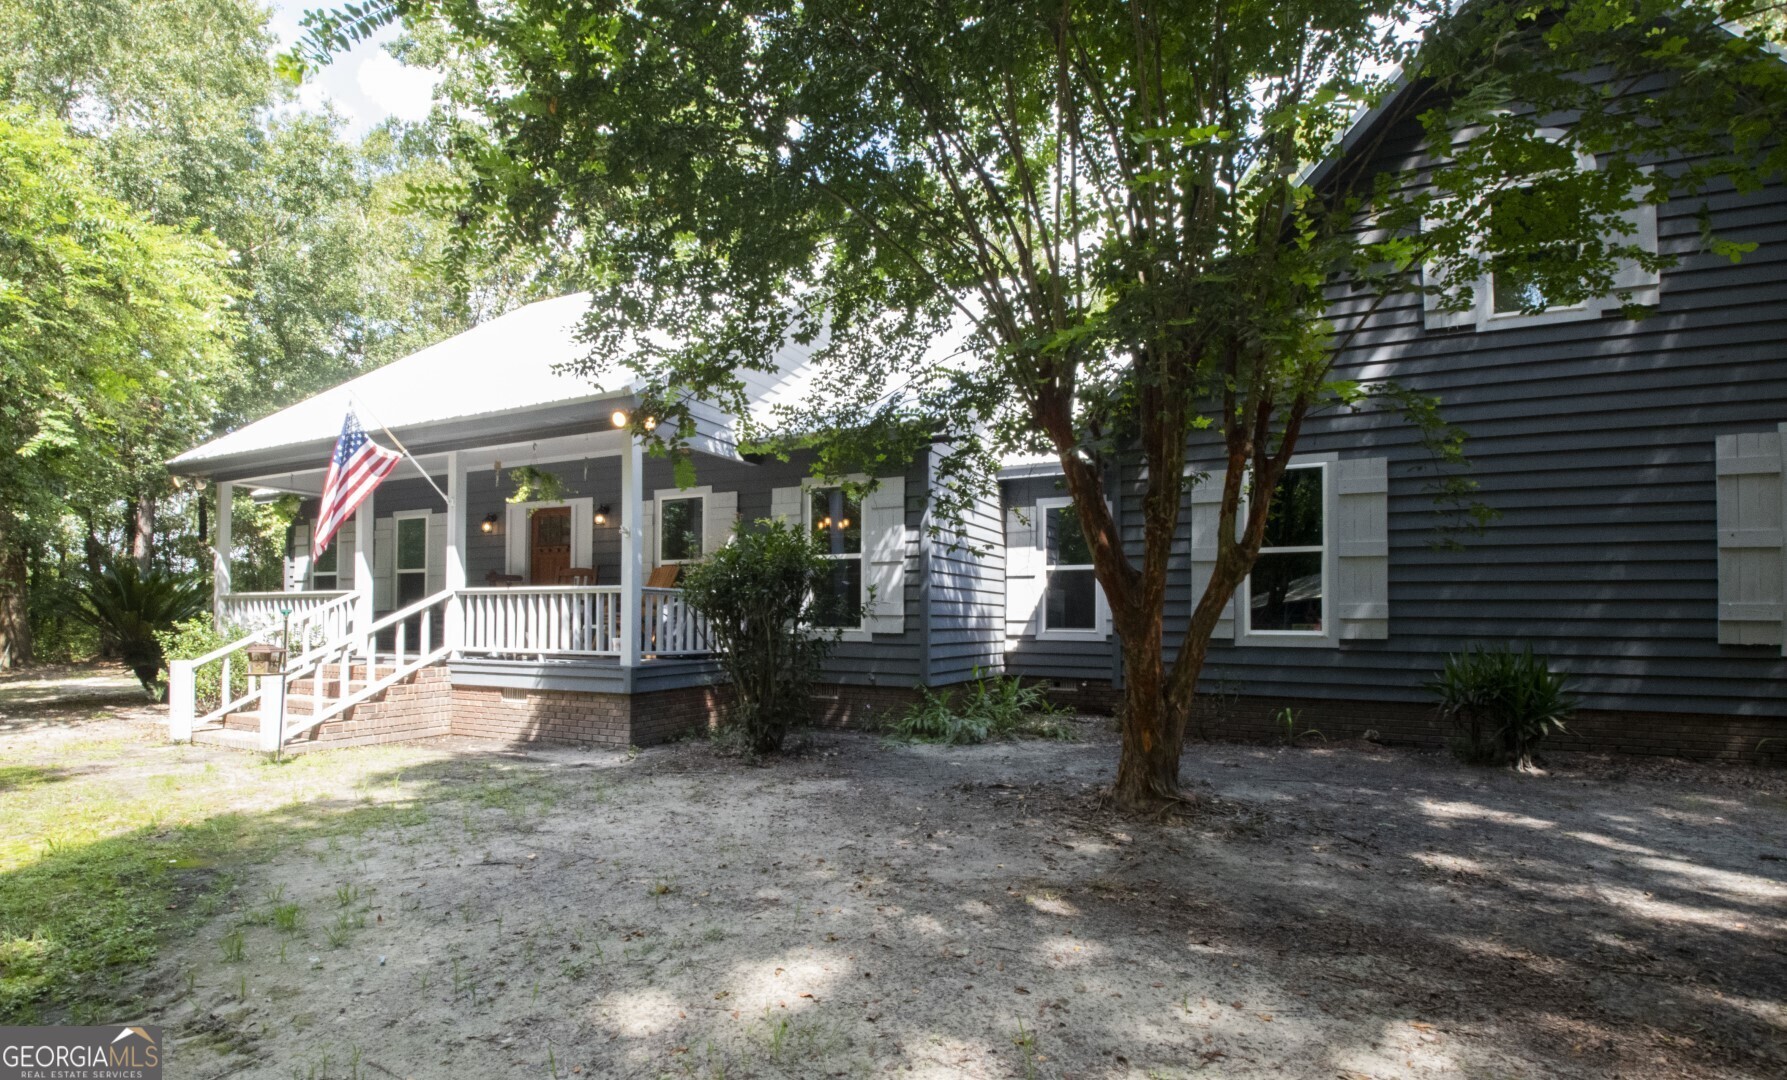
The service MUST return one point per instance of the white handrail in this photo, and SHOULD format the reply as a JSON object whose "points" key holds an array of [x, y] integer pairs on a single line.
{"points": [[315, 666], [556, 620], [669, 626]]}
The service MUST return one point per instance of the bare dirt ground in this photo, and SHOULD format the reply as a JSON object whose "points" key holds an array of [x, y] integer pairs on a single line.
{"points": [[456, 910], [1338, 912]]}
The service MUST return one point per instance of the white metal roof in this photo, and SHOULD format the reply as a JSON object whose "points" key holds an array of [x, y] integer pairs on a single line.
{"points": [[506, 364]]}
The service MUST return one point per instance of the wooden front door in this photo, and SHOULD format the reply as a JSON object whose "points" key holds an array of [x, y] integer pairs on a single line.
{"points": [[550, 551]]}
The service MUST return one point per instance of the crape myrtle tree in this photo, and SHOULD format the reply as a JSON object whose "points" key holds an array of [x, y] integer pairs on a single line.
{"points": [[1109, 207]]}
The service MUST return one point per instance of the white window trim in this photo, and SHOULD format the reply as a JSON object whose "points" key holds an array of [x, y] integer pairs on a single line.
{"points": [[517, 549], [1484, 315], [810, 484], [1101, 629], [659, 498], [1329, 635], [398, 572], [334, 575]]}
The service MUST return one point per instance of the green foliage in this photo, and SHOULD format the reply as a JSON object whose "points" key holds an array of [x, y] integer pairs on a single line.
{"points": [[1502, 704], [981, 711], [535, 485], [130, 608], [758, 596], [194, 637]]}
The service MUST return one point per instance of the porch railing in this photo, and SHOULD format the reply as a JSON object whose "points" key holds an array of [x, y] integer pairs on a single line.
{"points": [[668, 626], [557, 620], [317, 617]]}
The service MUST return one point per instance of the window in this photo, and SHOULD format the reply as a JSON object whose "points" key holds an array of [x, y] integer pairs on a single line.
{"points": [[1285, 593], [1070, 588], [836, 521], [412, 558], [680, 529], [323, 575], [1523, 223]]}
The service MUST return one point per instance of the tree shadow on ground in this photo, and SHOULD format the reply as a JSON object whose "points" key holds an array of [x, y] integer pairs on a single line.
{"points": [[968, 913]]}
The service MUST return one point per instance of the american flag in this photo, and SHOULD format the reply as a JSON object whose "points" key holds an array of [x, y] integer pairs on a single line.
{"points": [[355, 470]]}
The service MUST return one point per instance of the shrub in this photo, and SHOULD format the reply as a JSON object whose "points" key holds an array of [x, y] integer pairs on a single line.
{"points": [[127, 606], [1502, 704], [758, 595], [985, 709], [196, 637]]}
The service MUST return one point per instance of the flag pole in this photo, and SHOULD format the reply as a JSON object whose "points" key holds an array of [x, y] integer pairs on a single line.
{"points": [[357, 405]]}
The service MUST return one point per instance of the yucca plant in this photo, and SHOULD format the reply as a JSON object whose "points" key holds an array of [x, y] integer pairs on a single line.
{"points": [[128, 606], [1502, 704]]}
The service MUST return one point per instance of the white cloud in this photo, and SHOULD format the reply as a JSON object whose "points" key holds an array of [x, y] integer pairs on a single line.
{"points": [[396, 88]]}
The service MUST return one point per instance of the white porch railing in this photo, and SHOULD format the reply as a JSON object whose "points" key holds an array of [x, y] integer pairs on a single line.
{"points": [[317, 617], [327, 645], [668, 626], [559, 620]]}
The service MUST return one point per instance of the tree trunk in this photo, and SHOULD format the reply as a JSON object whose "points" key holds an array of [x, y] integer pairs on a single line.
{"points": [[142, 540], [1153, 729], [94, 550], [15, 612]]}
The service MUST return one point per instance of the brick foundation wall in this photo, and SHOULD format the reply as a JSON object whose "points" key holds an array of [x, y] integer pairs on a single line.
{"points": [[1254, 718], [420, 707], [574, 718]]}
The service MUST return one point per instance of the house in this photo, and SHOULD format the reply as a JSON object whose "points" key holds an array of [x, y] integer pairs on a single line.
{"points": [[447, 606], [1637, 466]]}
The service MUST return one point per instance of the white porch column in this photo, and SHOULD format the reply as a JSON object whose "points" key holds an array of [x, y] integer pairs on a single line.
{"points": [[363, 572], [632, 549], [455, 578], [221, 546]]}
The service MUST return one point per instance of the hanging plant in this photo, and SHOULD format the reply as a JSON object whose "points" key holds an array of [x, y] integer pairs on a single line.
{"points": [[535, 485]]}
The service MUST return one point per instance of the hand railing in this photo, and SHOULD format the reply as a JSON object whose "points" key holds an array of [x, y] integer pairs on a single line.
{"points": [[669, 626], [558, 620]]}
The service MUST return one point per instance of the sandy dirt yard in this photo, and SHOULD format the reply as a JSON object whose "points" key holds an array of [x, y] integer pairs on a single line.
{"points": [[865, 909]]}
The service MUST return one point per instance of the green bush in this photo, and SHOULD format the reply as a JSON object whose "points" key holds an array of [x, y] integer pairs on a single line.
{"points": [[1502, 704], [128, 606], [194, 638], [979, 711], [758, 594]]}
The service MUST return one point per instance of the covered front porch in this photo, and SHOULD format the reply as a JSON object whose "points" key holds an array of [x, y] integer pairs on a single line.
{"points": [[586, 572]]}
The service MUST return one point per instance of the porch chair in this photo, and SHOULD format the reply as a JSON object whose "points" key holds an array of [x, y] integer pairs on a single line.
{"points": [[498, 580], [577, 575], [664, 577]]}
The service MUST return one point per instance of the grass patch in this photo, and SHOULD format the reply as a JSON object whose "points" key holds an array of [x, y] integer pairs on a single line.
{"points": [[101, 866], [981, 711]]}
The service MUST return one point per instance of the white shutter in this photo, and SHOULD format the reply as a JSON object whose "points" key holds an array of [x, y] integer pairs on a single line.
{"points": [[718, 518], [437, 552], [384, 564], [1206, 517], [1431, 314], [1644, 285], [648, 532], [1361, 535], [344, 555], [1023, 572], [297, 567], [1752, 599], [884, 555], [784, 505]]}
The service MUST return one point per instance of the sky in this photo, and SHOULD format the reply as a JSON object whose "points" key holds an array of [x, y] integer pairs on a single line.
{"points": [[365, 85]]}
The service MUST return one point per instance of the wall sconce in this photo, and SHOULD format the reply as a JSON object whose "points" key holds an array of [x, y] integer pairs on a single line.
{"points": [[619, 419], [488, 524], [602, 514]]}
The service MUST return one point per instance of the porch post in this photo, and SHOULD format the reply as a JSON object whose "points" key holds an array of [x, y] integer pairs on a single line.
{"points": [[632, 550], [363, 574], [455, 578], [220, 550]]}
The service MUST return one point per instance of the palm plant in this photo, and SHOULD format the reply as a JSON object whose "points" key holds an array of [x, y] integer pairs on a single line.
{"points": [[127, 606], [1503, 704]]}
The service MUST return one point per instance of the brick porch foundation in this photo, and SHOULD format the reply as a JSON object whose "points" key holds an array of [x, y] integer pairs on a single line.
{"points": [[1256, 718]]}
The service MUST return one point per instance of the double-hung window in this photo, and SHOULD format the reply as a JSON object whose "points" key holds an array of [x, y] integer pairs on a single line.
{"points": [[323, 573], [1070, 592], [681, 522], [836, 523], [412, 557], [1287, 591]]}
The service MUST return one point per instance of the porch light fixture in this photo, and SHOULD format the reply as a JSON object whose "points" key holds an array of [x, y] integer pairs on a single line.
{"points": [[619, 418], [602, 514], [488, 524]]}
